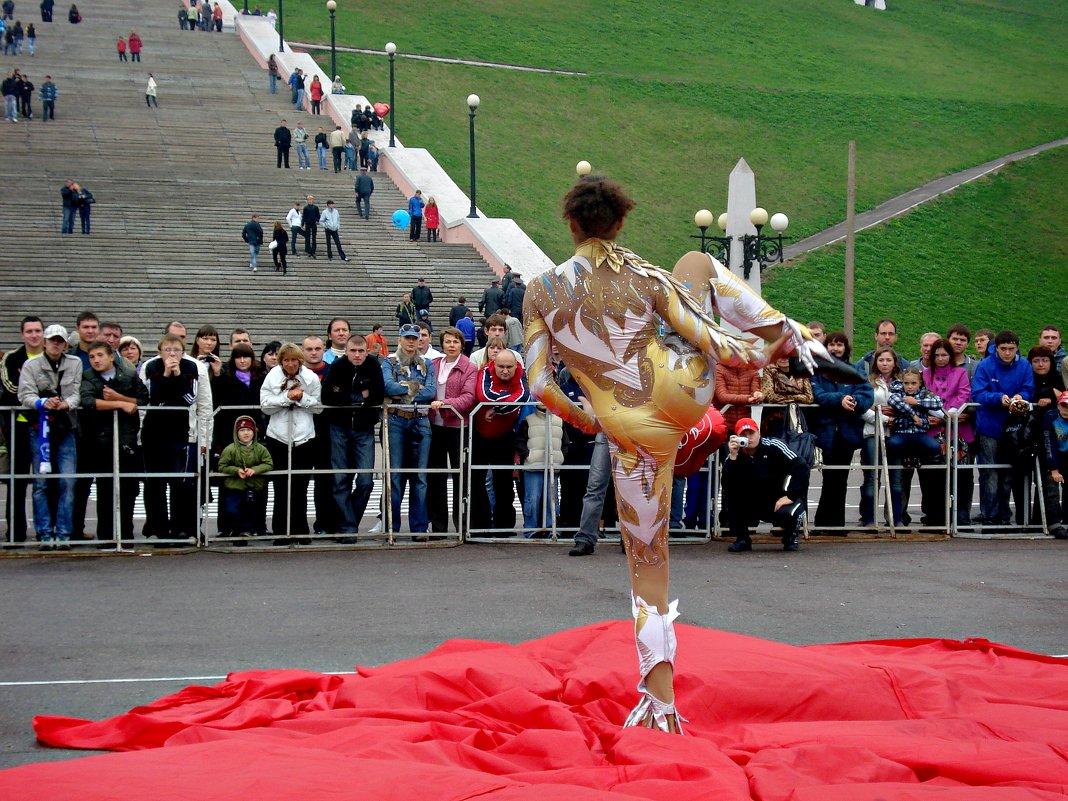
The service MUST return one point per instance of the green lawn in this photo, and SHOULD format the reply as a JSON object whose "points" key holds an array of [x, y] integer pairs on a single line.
{"points": [[678, 91], [994, 254]]}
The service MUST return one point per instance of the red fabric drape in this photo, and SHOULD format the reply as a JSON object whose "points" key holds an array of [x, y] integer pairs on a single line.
{"points": [[916, 720]]}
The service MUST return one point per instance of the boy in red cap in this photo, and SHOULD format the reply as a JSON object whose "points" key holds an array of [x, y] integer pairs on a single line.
{"points": [[763, 480]]}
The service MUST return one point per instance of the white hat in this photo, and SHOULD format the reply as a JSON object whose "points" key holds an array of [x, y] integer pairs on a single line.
{"points": [[55, 331]]}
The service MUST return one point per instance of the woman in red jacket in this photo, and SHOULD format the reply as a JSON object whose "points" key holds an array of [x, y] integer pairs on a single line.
{"points": [[449, 417], [316, 93], [135, 46], [432, 219]]}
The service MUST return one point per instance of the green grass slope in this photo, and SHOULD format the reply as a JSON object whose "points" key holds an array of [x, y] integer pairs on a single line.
{"points": [[993, 254], [678, 91]]}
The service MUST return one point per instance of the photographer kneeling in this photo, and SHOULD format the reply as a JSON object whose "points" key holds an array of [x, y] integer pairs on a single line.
{"points": [[754, 474]]}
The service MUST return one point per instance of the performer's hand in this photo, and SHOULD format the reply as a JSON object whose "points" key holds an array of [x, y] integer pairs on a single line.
{"points": [[783, 501], [803, 345], [1056, 476]]}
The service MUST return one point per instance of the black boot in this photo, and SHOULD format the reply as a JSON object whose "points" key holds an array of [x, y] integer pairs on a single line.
{"points": [[791, 541]]}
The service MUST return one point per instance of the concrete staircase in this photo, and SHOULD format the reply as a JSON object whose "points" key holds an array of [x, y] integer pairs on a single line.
{"points": [[175, 186]]}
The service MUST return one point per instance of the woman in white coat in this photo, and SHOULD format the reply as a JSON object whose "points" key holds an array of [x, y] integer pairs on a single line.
{"points": [[290, 396]]}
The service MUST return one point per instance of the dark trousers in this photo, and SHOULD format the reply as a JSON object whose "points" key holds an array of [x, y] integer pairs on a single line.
{"points": [[15, 508], [445, 451], [311, 238], [293, 234], [417, 228], [296, 524], [327, 515], [87, 458], [742, 513], [279, 256], [573, 482], [337, 151], [283, 157], [179, 517], [495, 451], [101, 462], [831, 509], [333, 235], [48, 109], [245, 512], [122, 55]]}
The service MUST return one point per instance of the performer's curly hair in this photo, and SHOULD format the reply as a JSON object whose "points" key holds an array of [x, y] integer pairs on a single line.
{"points": [[597, 204]]}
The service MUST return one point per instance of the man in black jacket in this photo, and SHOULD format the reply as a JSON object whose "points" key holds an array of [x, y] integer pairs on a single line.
{"points": [[18, 438], [310, 217], [513, 296], [355, 384], [422, 297], [459, 311], [763, 480], [110, 387], [252, 233], [283, 140], [492, 298]]}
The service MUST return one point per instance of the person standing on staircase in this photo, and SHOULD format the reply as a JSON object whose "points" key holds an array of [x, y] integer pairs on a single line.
{"points": [[310, 217], [150, 93], [135, 46], [48, 99], [422, 297], [283, 140], [332, 224], [120, 46], [46, 10], [336, 139], [364, 186], [415, 211], [300, 136], [253, 236], [294, 220]]}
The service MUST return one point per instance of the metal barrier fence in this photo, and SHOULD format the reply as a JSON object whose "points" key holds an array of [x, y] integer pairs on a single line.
{"points": [[193, 482]]}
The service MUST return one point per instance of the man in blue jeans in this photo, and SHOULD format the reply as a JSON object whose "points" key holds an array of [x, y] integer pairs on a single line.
{"points": [[998, 381], [70, 205], [410, 386], [355, 388], [50, 385]]}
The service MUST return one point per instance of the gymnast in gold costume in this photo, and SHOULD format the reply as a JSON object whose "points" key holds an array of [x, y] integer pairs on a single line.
{"points": [[602, 309]]}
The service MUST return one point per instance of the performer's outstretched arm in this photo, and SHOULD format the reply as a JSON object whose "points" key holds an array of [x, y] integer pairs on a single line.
{"points": [[540, 375]]}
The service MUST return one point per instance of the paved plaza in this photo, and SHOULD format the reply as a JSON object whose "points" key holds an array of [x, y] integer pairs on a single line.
{"points": [[77, 631]]}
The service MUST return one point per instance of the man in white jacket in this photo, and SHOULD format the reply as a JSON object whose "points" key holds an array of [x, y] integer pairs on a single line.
{"points": [[290, 396]]}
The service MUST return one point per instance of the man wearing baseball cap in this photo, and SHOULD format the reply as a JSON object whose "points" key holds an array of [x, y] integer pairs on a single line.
{"points": [[410, 386], [1055, 460], [763, 480], [50, 385]]}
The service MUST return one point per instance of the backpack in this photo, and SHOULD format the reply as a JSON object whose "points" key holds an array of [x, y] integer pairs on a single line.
{"points": [[799, 439]]}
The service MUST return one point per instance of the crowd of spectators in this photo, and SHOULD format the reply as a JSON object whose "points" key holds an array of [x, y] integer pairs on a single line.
{"points": [[304, 418]]}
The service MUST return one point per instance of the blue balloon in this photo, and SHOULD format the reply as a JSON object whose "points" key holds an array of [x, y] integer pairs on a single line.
{"points": [[401, 218]]}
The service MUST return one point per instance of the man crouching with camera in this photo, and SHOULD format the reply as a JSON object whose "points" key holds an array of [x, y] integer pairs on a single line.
{"points": [[763, 480]]}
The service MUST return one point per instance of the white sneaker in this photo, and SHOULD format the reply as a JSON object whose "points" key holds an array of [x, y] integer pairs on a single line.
{"points": [[377, 528]]}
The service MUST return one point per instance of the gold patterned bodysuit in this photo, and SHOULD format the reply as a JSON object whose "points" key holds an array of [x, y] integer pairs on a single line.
{"points": [[602, 309]]}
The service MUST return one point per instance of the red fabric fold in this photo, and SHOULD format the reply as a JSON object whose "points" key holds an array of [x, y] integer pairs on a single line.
{"points": [[911, 720]]}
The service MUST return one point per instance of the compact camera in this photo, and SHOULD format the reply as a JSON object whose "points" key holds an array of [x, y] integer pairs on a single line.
{"points": [[740, 440]]}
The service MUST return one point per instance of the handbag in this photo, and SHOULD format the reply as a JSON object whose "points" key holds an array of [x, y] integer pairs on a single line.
{"points": [[800, 440]]}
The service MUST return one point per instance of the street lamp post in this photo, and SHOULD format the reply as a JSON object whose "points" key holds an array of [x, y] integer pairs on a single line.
{"points": [[331, 6], [392, 50], [721, 244], [472, 103], [281, 25], [758, 248]]}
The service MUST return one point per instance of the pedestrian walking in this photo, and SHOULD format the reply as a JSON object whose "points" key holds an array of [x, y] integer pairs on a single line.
{"points": [[252, 233], [150, 92]]}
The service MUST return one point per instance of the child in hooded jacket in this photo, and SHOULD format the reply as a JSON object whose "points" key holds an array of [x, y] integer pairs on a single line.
{"points": [[243, 506]]}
